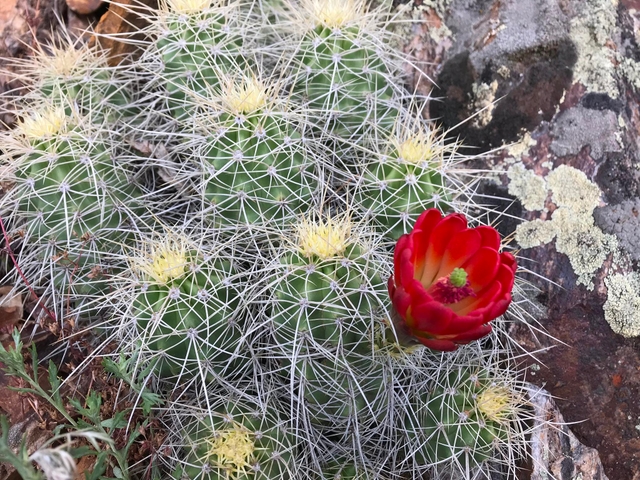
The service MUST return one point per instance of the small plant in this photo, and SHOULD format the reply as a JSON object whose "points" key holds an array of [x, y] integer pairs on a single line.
{"points": [[85, 420]]}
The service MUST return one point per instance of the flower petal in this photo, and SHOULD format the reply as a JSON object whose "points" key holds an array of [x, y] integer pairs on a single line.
{"points": [[421, 234], [440, 345], [430, 317], [440, 237], [490, 237], [401, 301], [482, 268], [472, 335], [401, 246], [485, 297], [462, 246]]}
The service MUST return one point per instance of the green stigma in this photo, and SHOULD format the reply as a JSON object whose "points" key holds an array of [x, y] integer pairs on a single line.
{"points": [[458, 277]]}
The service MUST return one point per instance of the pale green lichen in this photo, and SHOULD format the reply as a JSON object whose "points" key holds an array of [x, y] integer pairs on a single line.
{"points": [[572, 189], [522, 146], [622, 308], [598, 65], [535, 233], [572, 224], [585, 244], [590, 32], [527, 187], [630, 70], [484, 96]]}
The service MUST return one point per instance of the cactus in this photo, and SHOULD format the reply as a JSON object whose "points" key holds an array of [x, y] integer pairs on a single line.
{"points": [[184, 300], [77, 77], [251, 167], [197, 44], [466, 418], [328, 291], [239, 440], [396, 187], [286, 343], [343, 75], [70, 202]]}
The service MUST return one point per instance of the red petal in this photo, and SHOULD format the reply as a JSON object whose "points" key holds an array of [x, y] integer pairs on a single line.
{"points": [[462, 247], [482, 268], [391, 286], [401, 247], [430, 318], [404, 269], [440, 345], [401, 301], [509, 260], [488, 295], [490, 237], [500, 307], [506, 277], [428, 219], [461, 324], [472, 335], [440, 237], [421, 233]]}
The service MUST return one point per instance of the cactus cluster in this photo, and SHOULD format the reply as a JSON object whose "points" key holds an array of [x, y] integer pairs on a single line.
{"points": [[223, 211]]}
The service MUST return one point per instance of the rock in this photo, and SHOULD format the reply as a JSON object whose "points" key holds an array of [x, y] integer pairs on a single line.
{"points": [[555, 450], [521, 48], [623, 221], [120, 27], [570, 136], [84, 7], [562, 79], [10, 308]]}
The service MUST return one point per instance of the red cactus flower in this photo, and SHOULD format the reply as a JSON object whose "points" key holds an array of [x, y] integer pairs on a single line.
{"points": [[449, 280]]}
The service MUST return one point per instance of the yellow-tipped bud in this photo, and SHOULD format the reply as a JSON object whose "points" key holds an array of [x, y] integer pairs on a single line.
{"points": [[166, 261], [189, 6], [232, 449], [246, 97], [43, 124], [62, 62], [335, 13], [324, 239], [496, 403], [417, 148]]}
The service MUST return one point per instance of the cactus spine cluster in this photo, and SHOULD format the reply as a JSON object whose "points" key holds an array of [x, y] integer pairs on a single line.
{"points": [[229, 201]]}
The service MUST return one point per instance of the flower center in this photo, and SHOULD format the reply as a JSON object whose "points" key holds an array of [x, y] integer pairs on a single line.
{"points": [[232, 448], [452, 288], [165, 261], [335, 13], [415, 149]]}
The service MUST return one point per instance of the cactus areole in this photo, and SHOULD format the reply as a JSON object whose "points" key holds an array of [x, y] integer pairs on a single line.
{"points": [[449, 280]]}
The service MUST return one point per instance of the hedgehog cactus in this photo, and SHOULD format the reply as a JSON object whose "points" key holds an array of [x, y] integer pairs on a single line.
{"points": [[76, 77], [328, 291], [342, 75], [251, 168], [237, 440], [198, 43], [466, 418], [341, 391], [396, 187], [185, 305], [71, 202]]}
